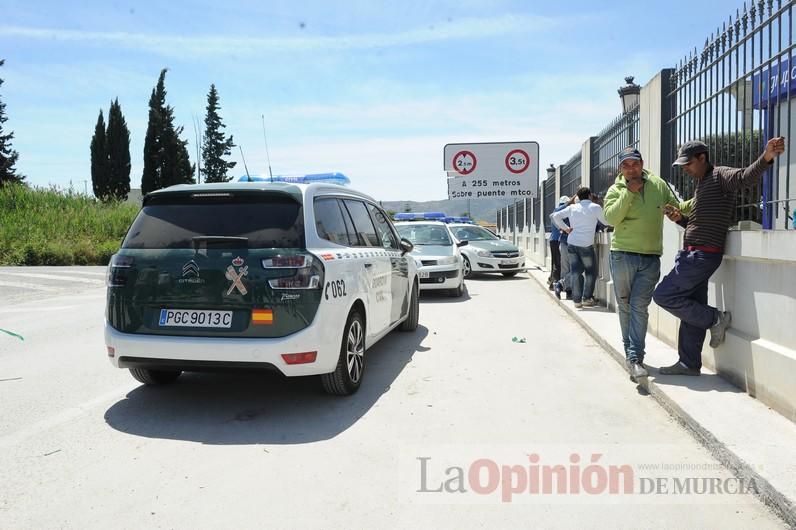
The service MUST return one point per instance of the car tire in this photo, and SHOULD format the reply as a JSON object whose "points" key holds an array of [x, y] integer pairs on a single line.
{"points": [[459, 291], [155, 377], [467, 269], [347, 375], [410, 324], [509, 274]]}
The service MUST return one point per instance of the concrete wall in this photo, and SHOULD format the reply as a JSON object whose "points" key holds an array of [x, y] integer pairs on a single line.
{"points": [[756, 282]]}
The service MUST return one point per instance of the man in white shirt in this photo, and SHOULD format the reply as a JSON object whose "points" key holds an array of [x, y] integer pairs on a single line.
{"points": [[583, 218]]}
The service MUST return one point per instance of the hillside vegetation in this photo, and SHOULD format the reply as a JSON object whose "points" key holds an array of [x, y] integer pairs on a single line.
{"points": [[51, 227]]}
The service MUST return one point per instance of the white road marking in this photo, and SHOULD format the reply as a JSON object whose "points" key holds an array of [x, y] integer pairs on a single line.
{"points": [[66, 415], [31, 286], [51, 277]]}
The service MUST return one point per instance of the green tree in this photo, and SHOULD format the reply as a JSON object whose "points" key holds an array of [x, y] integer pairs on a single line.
{"points": [[166, 160], [118, 149], [215, 145], [8, 157], [99, 159]]}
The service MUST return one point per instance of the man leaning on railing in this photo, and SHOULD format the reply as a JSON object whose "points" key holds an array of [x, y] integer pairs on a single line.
{"points": [[684, 291]]}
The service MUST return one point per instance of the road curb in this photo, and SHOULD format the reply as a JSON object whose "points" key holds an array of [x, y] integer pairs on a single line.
{"points": [[784, 507]]}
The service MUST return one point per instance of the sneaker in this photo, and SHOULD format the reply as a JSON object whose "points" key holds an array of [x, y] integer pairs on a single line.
{"points": [[678, 368], [719, 329], [569, 295], [589, 302], [637, 371], [578, 305], [557, 289]]}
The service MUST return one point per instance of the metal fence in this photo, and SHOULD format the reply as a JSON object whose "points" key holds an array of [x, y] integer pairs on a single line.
{"points": [[549, 190], [622, 132], [537, 210], [571, 175], [510, 213], [734, 95], [520, 209]]}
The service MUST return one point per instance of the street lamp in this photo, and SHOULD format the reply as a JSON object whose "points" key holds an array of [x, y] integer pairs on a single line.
{"points": [[551, 171], [629, 94]]}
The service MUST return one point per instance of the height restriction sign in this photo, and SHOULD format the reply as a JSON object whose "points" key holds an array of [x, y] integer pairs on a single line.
{"points": [[487, 170]]}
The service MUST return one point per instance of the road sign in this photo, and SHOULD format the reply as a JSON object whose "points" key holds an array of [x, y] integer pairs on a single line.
{"points": [[489, 170], [517, 161], [464, 162]]}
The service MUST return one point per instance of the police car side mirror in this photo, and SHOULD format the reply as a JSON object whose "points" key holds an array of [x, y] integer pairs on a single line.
{"points": [[462, 243], [406, 245]]}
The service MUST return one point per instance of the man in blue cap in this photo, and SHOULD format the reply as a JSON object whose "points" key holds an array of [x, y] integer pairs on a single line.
{"points": [[684, 291], [634, 206]]}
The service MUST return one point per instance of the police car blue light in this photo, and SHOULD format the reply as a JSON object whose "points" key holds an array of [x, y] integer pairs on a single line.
{"points": [[332, 178], [419, 216]]}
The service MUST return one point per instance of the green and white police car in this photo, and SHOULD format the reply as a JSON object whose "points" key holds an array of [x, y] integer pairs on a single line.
{"points": [[299, 277]]}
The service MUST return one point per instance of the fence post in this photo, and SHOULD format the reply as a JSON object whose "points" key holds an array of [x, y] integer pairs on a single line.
{"points": [[585, 162], [654, 142]]}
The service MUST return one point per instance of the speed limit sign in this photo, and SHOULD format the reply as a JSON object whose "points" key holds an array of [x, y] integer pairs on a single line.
{"points": [[517, 161]]}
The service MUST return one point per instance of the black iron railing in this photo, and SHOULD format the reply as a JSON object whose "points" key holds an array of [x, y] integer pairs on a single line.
{"points": [[622, 132], [734, 95]]}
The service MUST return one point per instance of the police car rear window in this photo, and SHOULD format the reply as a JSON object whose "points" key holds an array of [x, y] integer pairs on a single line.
{"points": [[265, 221]]}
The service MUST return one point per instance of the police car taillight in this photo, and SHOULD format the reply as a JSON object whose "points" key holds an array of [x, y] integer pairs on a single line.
{"points": [[301, 272], [116, 275], [287, 262]]}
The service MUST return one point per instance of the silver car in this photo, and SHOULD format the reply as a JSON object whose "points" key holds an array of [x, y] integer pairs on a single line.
{"points": [[486, 252], [439, 262]]}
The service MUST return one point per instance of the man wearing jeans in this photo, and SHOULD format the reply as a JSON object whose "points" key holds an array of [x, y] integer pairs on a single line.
{"points": [[634, 206], [684, 291], [583, 218]]}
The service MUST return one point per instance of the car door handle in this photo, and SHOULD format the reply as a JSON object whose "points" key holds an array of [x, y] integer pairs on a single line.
{"points": [[368, 265]]}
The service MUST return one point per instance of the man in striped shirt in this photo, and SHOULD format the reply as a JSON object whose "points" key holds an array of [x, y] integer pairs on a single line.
{"points": [[684, 291]]}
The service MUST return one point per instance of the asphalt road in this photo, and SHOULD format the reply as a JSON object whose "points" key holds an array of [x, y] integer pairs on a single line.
{"points": [[451, 429]]}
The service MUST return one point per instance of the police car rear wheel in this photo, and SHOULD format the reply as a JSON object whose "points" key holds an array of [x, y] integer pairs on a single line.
{"points": [[347, 376], [468, 269], [154, 377]]}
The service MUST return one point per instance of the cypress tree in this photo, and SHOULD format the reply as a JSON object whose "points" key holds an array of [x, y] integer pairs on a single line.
{"points": [[215, 145], [8, 157], [118, 147], [166, 160], [99, 159]]}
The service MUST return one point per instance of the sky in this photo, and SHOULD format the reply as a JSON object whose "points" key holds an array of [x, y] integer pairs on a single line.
{"points": [[370, 89]]}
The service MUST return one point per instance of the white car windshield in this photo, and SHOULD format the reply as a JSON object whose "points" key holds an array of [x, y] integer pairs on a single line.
{"points": [[420, 234], [473, 233]]}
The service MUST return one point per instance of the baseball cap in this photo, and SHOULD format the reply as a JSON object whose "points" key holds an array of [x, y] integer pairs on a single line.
{"points": [[689, 150], [629, 154], [563, 199]]}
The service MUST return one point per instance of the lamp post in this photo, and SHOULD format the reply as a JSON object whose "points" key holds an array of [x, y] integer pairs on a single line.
{"points": [[630, 95]]}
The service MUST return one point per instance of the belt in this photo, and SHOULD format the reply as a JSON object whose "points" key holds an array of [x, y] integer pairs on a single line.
{"points": [[636, 254], [704, 248]]}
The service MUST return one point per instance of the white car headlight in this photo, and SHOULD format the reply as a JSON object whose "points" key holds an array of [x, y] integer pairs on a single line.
{"points": [[450, 260], [418, 263], [484, 253], [522, 253]]}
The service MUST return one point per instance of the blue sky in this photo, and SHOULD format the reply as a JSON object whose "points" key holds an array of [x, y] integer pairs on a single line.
{"points": [[370, 89]]}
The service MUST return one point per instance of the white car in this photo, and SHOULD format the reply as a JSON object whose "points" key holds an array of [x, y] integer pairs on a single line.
{"points": [[301, 278], [440, 264], [486, 252]]}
